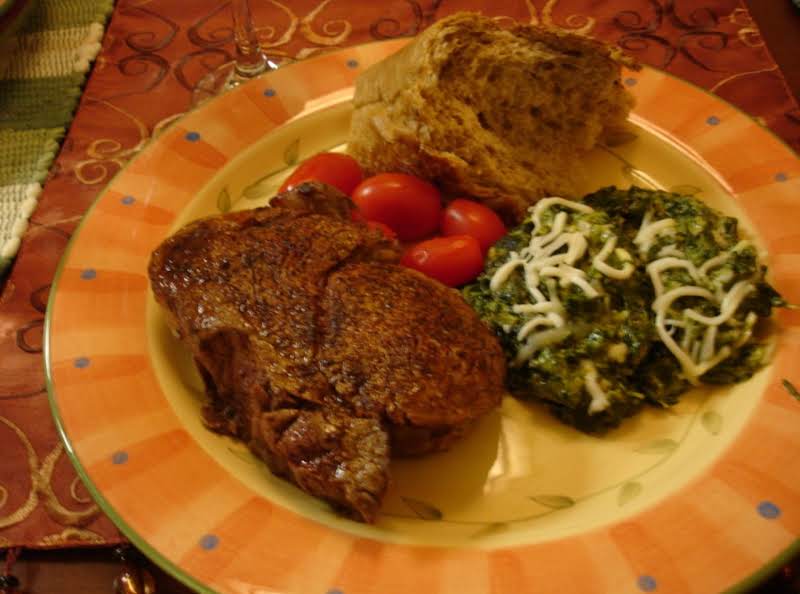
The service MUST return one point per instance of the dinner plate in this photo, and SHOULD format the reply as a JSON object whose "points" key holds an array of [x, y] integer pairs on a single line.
{"points": [[701, 498]]}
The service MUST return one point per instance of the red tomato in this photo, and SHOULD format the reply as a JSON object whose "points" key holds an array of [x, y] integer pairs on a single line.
{"points": [[335, 169], [453, 261], [386, 229], [465, 217], [410, 206]]}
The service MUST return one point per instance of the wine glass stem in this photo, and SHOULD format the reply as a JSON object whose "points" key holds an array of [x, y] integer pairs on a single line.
{"points": [[250, 61]]}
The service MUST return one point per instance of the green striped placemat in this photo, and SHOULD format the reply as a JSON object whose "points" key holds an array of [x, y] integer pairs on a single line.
{"points": [[42, 72]]}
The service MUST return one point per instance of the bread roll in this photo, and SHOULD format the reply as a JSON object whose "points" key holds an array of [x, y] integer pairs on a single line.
{"points": [[500, 115]]}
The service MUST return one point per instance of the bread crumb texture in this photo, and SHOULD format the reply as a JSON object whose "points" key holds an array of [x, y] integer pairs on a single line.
{"points": [[500, 115]]}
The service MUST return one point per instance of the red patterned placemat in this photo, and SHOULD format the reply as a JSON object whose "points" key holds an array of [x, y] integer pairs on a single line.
{"points": [[153, 53]]}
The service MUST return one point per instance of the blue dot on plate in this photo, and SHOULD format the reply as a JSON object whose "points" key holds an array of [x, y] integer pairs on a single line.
{"points": [[88, 274], [119, 457], [81, 362], [192, 136], [352, 63], [712, 121], [781, 177], [768, 510], [647, 583], [128, 200], [270, 93], [209, 542], [630, 81]]}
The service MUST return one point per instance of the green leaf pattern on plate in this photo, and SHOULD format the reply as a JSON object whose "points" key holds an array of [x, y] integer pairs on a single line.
{"points": [[712, 422], [554, 501], [658, 446], [224, 201], [490, 529], [292, 152], [422, 509], [266, 186], [791, 389], [244, 455], [686, 190], [628, 491]]}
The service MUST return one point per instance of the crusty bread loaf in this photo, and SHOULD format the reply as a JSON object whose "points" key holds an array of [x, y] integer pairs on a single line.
{"points": [[500, 115]]}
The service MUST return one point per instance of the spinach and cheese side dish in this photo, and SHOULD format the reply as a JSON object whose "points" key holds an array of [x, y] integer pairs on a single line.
{"points": [[625, 298]]}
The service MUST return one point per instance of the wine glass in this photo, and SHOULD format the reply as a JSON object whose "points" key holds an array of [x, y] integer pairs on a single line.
{"points": [[249, 61]]}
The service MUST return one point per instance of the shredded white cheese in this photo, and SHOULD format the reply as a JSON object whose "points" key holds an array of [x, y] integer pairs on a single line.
{"points": [[707, 349], [728, 307], [749, 322], [662, 303], [531, 325], [697, 356], [670, 250], [688, 337], [714, 262], [599, 399], [723, 278], [546, 203], [649, 230], [539, 341], [599, 261], [501, 274], [552, 258], [549, 258], [656, 267], [529, 308], [699, 348], [559, 222]]}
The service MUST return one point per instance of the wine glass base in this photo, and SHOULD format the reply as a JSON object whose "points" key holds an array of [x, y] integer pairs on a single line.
{"points": [[229, 76]]}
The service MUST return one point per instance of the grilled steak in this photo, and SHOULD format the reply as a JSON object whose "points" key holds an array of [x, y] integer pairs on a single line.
{"points": [[318, 350]]}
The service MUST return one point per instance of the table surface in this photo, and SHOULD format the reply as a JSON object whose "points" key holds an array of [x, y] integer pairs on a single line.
{"points": [[90, 571]]}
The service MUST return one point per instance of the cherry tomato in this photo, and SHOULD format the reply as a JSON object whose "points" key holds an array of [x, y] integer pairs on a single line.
{"points": [[466, 217], [454, 260], [385, 229], [410, 206], [335, 169]]}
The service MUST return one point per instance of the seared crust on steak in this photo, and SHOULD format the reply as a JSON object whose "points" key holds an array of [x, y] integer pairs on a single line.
{"points": [[318, 350], [396, 344]]}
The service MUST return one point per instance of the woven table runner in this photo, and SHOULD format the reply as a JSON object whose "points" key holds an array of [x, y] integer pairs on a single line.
{"points": [[154, 52], [42, 70]]}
